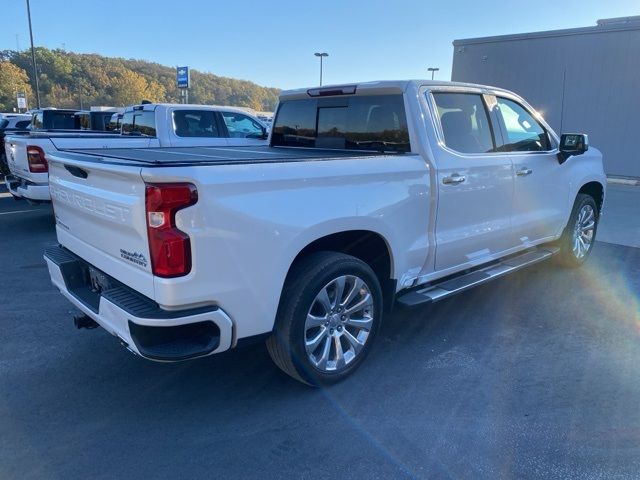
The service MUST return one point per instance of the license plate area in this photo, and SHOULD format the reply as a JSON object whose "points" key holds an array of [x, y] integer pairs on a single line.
{"points": [[83, 281], [99, 281], [12, 182]]}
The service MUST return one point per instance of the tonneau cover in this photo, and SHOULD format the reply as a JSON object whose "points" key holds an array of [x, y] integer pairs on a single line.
{"points": [[70, 134], [209, 155]]}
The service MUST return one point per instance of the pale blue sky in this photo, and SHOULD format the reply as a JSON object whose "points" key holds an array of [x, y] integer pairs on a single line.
{"points": [[272, 42]]}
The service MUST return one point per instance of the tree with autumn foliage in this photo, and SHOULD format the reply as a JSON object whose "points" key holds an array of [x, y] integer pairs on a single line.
{"points": [[13, 79], [75, 80]]}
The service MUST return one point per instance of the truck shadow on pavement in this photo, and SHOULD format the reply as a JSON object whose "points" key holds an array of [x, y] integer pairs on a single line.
{"points": [[460, 333]]}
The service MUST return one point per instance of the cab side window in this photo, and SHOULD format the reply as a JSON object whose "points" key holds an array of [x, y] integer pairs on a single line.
{"points": [[464, 122], [523, 133], [195, 123]]}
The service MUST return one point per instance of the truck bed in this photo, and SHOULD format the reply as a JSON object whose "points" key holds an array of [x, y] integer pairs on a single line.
{"points": [[176, 156]]}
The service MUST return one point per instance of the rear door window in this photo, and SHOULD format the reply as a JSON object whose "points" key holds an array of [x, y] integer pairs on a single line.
{"points": [[375, 122], [464, 122], [195, 123]]}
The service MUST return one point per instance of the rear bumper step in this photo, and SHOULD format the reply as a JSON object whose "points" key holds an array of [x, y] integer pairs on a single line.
{"points": [[460, 283], [136, 320], [21, 188]]}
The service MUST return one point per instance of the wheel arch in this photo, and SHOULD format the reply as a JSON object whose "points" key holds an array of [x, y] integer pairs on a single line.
{"points": [[595, 190], [367, 245]]}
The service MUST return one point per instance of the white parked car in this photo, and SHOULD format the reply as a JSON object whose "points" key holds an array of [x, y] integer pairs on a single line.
{"points": [[142, 126], [368, 195]]}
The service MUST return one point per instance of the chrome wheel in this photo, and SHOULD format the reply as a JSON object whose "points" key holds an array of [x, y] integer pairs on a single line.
{"points": [[338, 323], [583, 231]]}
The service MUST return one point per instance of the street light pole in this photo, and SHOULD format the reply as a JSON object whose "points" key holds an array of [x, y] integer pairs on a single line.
{"points": [[321, 55], [33, 56], [433, 71]]}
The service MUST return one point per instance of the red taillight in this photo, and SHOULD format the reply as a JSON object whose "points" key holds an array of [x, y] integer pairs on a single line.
{"points": [[170, 248], [37, 162]]}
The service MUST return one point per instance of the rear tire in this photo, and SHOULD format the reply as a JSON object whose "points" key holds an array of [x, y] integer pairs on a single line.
{"points": [[329, 314], [579, 235]]}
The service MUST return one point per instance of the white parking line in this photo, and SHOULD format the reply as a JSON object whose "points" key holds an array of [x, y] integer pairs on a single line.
{"points": [[5, 195]]}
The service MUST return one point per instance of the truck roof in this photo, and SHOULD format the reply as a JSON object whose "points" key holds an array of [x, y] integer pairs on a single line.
{"points": [[381, 87], [195, 106], [56, 110], [14, 115]]}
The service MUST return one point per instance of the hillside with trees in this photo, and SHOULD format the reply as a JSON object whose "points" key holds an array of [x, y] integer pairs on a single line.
{"points": [[72, 80]]}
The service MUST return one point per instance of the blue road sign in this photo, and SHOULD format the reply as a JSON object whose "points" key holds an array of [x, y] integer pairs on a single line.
{"points": [[182, 77]]}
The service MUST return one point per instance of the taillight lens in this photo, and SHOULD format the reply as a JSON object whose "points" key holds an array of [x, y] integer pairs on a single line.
{"points": [[170, 248], [36, 160]]}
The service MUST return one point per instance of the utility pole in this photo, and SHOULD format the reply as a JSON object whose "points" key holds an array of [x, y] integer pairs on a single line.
{"points": [[321, 56], [433, 71], [33, 56]]}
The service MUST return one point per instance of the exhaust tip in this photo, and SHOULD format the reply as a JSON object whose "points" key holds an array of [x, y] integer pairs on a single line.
{"points": [[84, 321]]}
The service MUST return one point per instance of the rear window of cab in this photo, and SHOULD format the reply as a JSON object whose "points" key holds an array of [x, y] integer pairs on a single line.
{"points": [[139, 122], [375, 122]]}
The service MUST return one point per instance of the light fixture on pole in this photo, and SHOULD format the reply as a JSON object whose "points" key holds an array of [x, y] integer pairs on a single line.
{"points": [[321, 55], [33, 56], [433, 70]]}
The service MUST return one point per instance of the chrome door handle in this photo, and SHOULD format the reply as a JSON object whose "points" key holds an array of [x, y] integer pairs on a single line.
{"points": [[524, 172], [454, 179]]}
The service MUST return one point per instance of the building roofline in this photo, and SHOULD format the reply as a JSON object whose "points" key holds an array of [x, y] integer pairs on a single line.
{"points": [[603, 26]]}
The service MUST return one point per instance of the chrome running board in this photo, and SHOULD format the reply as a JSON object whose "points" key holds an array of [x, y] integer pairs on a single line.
{"points": [[440, 290]]}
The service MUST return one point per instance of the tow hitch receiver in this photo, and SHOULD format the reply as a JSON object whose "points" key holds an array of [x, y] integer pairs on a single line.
{"points": [[84, 321]]}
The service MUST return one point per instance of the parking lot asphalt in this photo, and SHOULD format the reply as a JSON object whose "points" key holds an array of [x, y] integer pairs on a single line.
{"points": [[535, 375]]}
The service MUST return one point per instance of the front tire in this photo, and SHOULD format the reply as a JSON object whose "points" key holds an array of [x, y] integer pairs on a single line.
{"points": [[579, 235], [329, 314]]}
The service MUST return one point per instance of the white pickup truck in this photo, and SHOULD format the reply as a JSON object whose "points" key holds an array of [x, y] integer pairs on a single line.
{"points": [[143, 126], [371, 194]]}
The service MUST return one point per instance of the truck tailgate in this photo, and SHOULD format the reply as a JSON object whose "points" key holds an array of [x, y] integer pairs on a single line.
{"points": [[16, 151], [100, 216]]}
